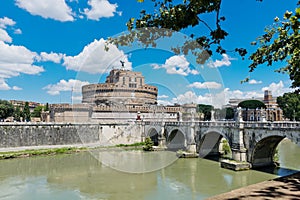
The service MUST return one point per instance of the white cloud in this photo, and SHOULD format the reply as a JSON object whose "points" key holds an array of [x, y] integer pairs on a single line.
{"points": [[3, 85], [191, 97], [277, 89], [54, 57], [219, 99], [94, 59], [254, 82], [16, 88], [238, 94], [219, 63], [216, 99], [163, 96], [77, 98], [222, 98], [177, 65], [53, 9], [4, 22], [18, 31], [4, 36], [15, 60], [99, 9], [63, 85], [164, 102], [205, 85]]}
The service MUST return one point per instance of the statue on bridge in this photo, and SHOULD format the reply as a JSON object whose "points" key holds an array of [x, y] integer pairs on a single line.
{"points": [[239, 116], [212, 118]]}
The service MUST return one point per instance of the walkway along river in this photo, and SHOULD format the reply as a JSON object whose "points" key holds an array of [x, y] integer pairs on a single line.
{"points": [[81, 176]]}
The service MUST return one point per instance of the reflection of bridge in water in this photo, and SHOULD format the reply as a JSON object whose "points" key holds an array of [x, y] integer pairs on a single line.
{"points": [[254, 142]]}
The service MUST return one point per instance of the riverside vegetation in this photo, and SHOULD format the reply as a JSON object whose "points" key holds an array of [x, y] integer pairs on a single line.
{"points": [[146, 146], [40, 152]]}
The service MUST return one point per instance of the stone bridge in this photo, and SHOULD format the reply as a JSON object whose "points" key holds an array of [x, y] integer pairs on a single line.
{"points": [[254, 142]]}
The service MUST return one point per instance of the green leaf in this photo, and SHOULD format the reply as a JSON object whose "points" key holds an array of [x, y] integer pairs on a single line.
{"points": [[298, 11], [287, 14]]}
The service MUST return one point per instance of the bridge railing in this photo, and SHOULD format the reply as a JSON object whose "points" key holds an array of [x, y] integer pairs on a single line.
{"points": [[203, 123], [277, 124], [59, 123], [216, 123], [246, 124]]}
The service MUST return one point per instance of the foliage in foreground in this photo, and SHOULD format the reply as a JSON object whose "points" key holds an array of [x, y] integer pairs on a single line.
{"points": [[290, 105], [281, 41]]}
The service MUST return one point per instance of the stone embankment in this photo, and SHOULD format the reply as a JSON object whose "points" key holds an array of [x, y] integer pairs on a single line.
{"points": [[45, 134], [287, 187]]}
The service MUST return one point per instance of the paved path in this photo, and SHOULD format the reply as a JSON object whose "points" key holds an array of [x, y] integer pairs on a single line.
{"points": [[287, 187]]}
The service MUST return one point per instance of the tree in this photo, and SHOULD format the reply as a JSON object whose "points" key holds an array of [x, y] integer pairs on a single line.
{"points": [[290, 105], [169, 16], [281, 42], [206, 110], [251, 104], [26, 112], [229, 113], [37, 111], [6, 109], [17, 114], [46, 107]]}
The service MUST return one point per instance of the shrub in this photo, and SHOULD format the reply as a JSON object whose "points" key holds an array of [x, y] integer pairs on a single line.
{"points": [[148, 144]]}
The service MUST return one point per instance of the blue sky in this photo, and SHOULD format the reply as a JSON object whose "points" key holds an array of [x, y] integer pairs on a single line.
{"points": [[50, 48]]}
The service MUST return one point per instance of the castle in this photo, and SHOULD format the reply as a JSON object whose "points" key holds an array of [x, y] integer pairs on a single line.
{"points": [[123, 97], [121, 87]]}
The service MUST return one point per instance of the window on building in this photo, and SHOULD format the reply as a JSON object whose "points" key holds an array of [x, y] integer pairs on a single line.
{"points": [[132, 85]]}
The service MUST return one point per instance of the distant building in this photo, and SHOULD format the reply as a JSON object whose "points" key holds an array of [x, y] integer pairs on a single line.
{"points": [[70, 113], [21, 104], [122, 87], [272, 112]]}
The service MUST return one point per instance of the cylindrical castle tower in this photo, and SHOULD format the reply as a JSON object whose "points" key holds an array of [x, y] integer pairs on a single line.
{"points": [[121, 87]]}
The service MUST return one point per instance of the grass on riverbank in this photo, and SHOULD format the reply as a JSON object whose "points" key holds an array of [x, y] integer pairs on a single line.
{"points": [[63, 150], [137, 144], [39, 152]]}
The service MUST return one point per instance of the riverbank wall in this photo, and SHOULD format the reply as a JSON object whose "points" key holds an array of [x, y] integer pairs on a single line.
{"points": [[37, 134]]}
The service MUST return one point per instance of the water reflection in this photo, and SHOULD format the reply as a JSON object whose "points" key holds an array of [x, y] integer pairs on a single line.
{"points": [[134, 161], [77, 172], [289, 154], [81, 176]]}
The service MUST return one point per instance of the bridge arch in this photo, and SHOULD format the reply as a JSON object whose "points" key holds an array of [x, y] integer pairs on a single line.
{"points": [[153, 134], [264, 151], [210, 143], [262, 145], [175, 139]]}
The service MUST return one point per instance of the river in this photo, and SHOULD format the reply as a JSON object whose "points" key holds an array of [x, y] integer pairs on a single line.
{"points": [[81, 176]]}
